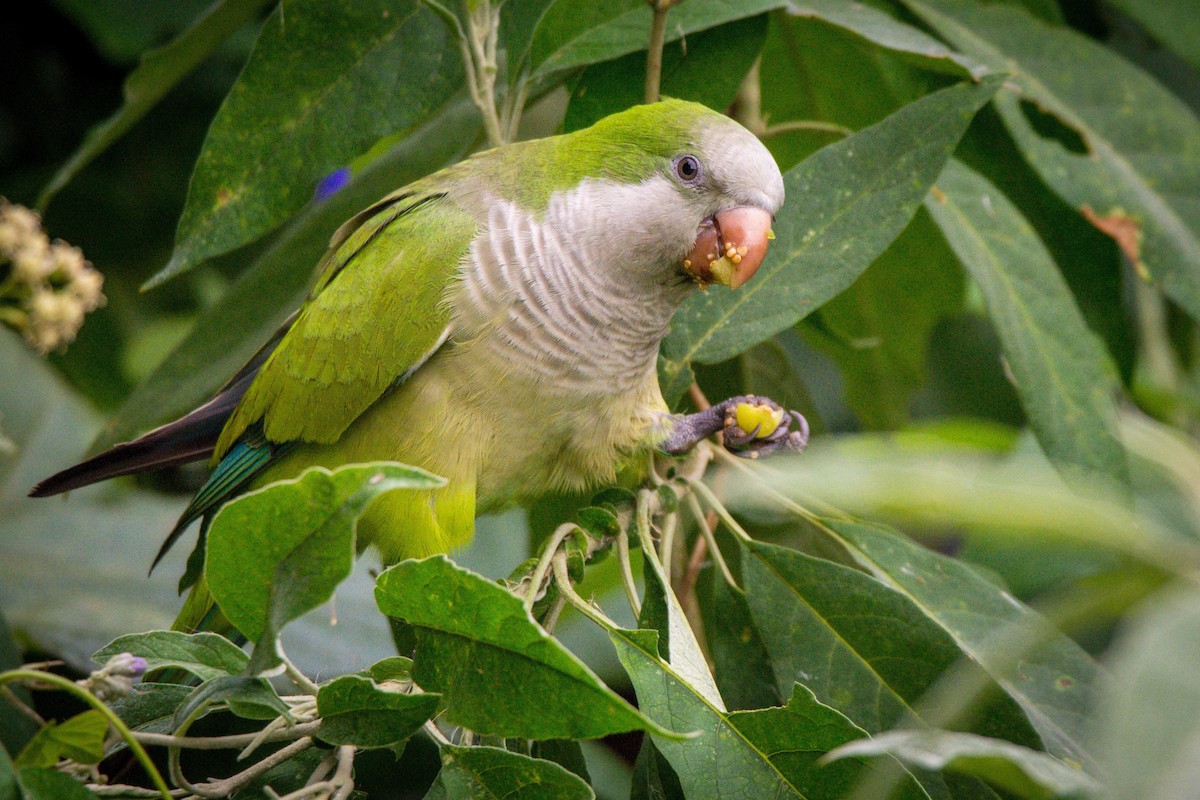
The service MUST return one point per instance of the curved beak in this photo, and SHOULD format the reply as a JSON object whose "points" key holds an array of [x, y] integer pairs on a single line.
{"points": [[730, 246]]}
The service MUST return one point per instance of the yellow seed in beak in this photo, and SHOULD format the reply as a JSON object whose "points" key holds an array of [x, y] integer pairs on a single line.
{"points": [[770, 235]]}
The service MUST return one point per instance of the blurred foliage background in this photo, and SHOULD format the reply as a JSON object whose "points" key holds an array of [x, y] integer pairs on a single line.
{"points": [[1009, 372]]}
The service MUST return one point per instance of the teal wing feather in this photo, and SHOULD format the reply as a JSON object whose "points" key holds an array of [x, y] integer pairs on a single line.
{"points": [[376, 313], [377, 310]]}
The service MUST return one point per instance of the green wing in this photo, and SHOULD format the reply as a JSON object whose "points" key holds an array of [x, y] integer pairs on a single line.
{"points": [[377, 311]]}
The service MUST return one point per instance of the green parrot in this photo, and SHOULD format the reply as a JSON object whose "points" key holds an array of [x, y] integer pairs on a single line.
{"points": [[496, 323]]}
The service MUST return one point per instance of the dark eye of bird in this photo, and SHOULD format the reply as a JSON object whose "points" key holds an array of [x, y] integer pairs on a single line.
{"points": [[687, 168]]}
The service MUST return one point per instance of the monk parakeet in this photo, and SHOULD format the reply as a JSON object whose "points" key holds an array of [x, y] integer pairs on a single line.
{"points": [[496, 323]]}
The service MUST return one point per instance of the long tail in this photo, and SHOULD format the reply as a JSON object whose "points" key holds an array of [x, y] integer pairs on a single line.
{"points": [[192, 437]]}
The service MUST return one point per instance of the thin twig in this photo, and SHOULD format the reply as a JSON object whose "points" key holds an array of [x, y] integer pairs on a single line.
{"points": [[543, 566], [551, 618], [667, 546], [227, 786], [813, 125], [343, 778], [233, 742], [627, 572], [654, 53], [589, 610], [295, 675], [719, 507], [694, 565], [20, 705], [706, 531]]}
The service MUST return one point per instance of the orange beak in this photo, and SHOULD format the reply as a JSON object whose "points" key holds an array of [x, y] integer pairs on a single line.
{"points": [[730, 247]]}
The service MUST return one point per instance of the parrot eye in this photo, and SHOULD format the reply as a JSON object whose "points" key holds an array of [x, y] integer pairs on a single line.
{"points": [[687, 168]]}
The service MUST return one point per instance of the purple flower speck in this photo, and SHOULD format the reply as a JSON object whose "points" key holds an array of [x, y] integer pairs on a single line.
{"points": [[137, 666], [332, 183]]}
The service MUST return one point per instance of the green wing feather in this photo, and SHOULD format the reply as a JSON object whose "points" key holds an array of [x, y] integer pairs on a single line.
{"points": [[377, 311]]}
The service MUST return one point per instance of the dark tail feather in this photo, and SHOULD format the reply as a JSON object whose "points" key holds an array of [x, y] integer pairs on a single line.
{"points": [[189, 438]]}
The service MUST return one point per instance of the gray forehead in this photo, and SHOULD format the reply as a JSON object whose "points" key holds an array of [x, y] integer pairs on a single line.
{"points": [[741, 166]]}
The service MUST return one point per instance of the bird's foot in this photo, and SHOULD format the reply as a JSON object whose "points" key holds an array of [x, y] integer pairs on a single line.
{"points": [[753, 426]]}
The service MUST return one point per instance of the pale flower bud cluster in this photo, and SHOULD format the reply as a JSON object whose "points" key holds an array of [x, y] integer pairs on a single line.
{"points": [[115, 679], [46, 287]]}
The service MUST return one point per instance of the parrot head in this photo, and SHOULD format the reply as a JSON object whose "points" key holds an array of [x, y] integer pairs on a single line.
{"points": [[702, 191]]}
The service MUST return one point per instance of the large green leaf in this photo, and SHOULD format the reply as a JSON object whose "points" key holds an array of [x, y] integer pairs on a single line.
{"points": [[1054, 678], [882, 29], [205, 655], [500, 673], [1172, 23], [228, 334], [1025, 773], [1060, 369], [770, 753], [1139, 179], [326, 79], [280, 551], [878, 329], [846, 204], [490, 773], [160, 71], [866, 650], [1147, 728], [355, 710]]}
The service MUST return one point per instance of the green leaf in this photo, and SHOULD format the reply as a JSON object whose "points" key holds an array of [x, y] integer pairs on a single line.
{"points": [[325, 80], [1140, 175], [576, 33], [159, 71], [8, 778], [205, 655], [881, 28], [677, 643], [39, 783], [277, 552], [1060, 369], [1054, 679], [501, 674], [519, 21], [566, 753], [846, 204], [653, 778], [274, 285], [707, 70], [1147, 723], [877, 330], [1172, 23], [355, 710], [247, 697], [1025, 773], [151, 706], [769, 753], [80, 738], [489, 773], [741, 663], [861, 647], [396, 668]]}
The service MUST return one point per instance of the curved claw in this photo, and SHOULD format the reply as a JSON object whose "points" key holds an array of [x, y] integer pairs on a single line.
{"points": [[748, 444]]}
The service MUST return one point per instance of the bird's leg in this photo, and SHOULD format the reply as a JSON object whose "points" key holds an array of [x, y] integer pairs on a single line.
{"points": [[753, 426]]}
